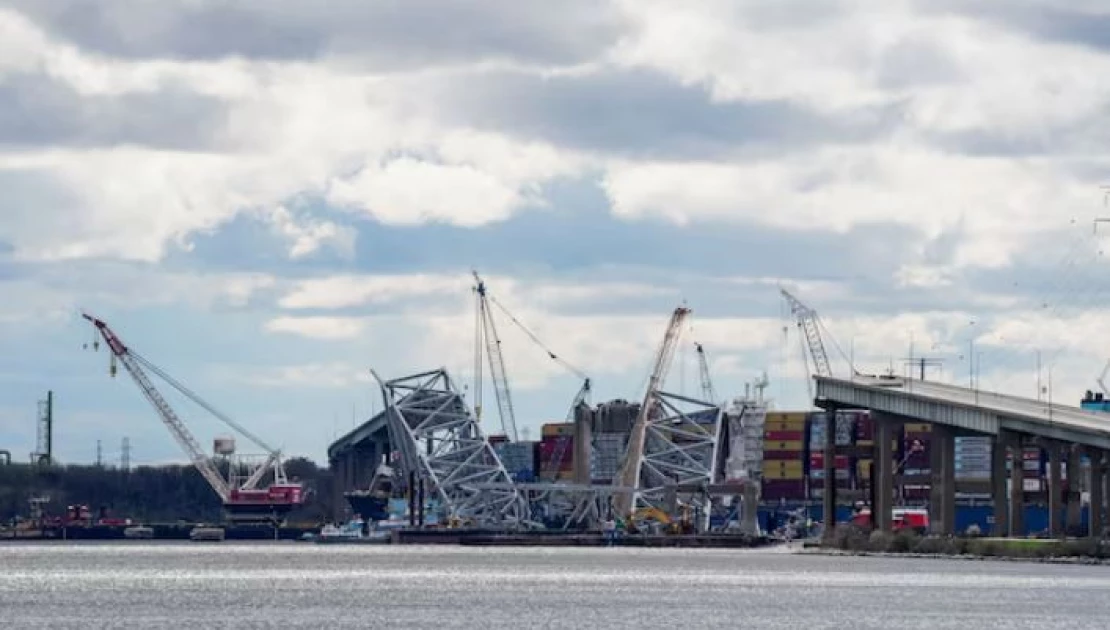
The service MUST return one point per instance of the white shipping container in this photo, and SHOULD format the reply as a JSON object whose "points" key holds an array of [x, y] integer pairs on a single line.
{"points": [[1032, 485]]}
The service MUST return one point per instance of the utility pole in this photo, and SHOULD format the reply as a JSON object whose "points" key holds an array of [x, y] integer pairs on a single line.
{"points": [[1039, 393], [920, 363], [125, 455], [99, 455]]}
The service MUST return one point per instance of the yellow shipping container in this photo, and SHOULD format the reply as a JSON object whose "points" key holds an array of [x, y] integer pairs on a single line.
{"points": [[918, 427], [791, 445], [864, 469], [782, 464], [557, 428], [865, 443], [783, 426], [780, 475], [786, 416]]}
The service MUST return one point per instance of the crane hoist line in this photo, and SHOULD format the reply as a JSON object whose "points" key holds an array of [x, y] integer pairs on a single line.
{"points": [[242, 499]]}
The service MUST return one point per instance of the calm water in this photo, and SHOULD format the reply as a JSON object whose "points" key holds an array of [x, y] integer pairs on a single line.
{"points": [[290, 585]]}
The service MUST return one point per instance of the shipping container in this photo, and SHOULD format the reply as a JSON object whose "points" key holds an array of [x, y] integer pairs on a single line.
{"points": [[557, 428], [792, 446], [841, 473], [784, 436], [918, 427], [549, 447], [817, 460], [787, 416], [771, 425], [783, 465], [775, 490], [783, 474], [790, 455], [865, 429]]}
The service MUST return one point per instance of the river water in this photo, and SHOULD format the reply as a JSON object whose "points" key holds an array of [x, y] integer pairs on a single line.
{"points": [[297, 585]]}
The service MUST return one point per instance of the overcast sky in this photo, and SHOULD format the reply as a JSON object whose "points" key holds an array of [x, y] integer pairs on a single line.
{"points": [[269, 200]]}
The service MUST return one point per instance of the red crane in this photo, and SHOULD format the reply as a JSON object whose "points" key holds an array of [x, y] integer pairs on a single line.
{"points": [[241, 501]]}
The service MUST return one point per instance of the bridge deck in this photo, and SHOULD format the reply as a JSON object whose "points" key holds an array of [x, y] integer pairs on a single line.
{"points": [[972, 410]]}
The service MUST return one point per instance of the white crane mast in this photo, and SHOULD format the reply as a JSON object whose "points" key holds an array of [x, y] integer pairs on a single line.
{"points": [[629, 474]]}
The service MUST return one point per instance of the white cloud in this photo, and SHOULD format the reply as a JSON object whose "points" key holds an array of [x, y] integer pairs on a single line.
{"points": [[327, 328], [307, 236]]}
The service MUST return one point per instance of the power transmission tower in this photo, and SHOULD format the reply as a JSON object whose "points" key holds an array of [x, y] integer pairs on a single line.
{"points": [[125, 455]]}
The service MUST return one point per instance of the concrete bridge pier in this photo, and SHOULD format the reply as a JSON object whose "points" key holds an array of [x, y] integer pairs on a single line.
{"points": [[883, 461], [1055, 490], [999, 452], [1074, 518], [1096, 479], [829, 494], [1017, 486], [942, 494]]}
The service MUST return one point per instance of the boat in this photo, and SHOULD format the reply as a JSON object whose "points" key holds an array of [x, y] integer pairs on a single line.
{"points": [[139, 532], [354, 531], [206, 534]]}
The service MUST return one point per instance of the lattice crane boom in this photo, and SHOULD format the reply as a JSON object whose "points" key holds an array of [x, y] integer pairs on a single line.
{"points": [[703, 369], [629, 474], [180, 432], [487, 332], [807, 321]]}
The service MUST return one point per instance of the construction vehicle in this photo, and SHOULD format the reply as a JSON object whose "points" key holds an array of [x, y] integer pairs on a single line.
{"points": [[240, 493]]}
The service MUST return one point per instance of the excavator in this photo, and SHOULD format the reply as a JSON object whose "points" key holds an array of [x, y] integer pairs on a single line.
{"points": [[646, 519]]}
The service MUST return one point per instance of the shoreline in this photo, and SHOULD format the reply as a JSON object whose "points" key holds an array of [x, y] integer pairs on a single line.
{"points": [[967, 557]]}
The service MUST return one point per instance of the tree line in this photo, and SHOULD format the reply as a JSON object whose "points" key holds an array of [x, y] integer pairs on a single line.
{"points": [[149, 494]]}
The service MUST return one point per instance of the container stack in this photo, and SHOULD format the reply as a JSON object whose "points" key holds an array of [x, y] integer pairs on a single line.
{"points": [[552, 435], [865, 439], [784, 456], [845, 436], [519, 459], [972, 458], [1033, 468]]}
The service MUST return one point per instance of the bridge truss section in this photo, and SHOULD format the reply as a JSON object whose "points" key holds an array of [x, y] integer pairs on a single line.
{"points": [[440, 441], [681, 447]]}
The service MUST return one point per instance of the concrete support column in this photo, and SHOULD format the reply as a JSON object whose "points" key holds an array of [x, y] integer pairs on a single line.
{"points": [[1095, 479], [1074, 510], [999, 498], [829, 494], [1055, 489], [1017, 488], [942, 495], [582, 442], [884, 472]]}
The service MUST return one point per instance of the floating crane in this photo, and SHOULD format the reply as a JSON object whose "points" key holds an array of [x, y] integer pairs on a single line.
{"points": [[242, 501], [629, 474]]}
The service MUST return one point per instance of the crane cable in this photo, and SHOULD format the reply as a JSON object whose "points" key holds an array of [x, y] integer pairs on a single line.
{"points": [[531, 335]]}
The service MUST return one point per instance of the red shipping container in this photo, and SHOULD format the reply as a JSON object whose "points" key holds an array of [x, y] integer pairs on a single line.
{"points": [[817, 460], [784, 436], [549, 446]]}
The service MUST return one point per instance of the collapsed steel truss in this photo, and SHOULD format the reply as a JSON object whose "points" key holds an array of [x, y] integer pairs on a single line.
{"points": [[439, 440], [680, 448]]}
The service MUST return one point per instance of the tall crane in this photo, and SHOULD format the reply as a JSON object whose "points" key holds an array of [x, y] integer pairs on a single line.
{"points": [[707, 392], [808, 323], [485, 333], [242, 501], [486, 336], [629, 474]]}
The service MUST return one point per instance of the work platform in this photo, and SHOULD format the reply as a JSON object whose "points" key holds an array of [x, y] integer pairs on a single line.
{"points": [[1064, 432]]}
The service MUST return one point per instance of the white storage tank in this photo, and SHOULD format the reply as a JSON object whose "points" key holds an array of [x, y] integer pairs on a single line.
{"points": [[223, 446]]}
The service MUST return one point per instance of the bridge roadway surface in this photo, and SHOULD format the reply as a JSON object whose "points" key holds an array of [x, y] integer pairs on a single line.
{"points": [[967, 409]]}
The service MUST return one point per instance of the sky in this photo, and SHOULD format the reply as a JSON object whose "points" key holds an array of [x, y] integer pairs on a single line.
{"points": [[269, 200]]}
